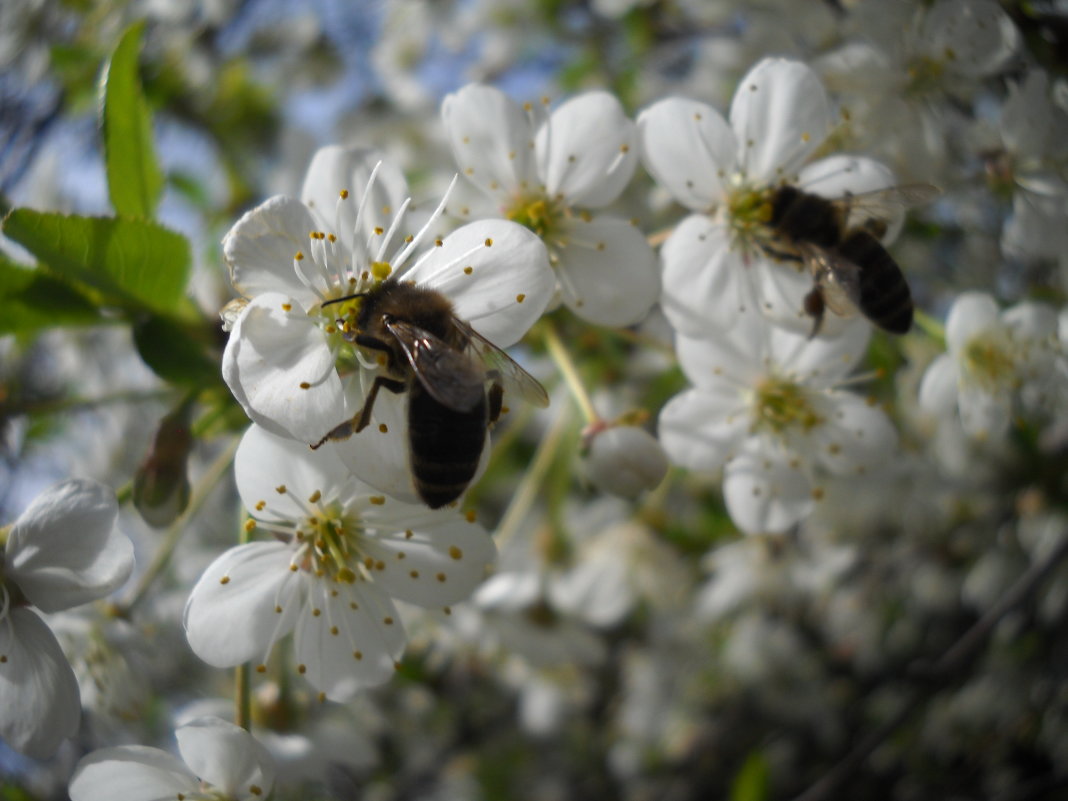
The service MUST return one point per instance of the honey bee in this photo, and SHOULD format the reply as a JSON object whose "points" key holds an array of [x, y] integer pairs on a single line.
{"points": [[454, 377], [838, 241]]}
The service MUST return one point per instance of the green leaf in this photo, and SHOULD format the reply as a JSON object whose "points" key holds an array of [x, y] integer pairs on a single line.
{"points": [[33, 300], [751, 783], [135, 181], [133, 263], [175, 353]]}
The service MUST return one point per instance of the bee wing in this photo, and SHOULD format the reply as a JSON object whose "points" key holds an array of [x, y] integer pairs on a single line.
{"points": [[837, 277], [451, 377], [511, 376], [880, 205]]}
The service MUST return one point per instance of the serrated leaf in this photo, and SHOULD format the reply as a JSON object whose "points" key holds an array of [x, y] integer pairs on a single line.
{"points": [[174, 354], [33, 300], [135, 181], [133, 263]]}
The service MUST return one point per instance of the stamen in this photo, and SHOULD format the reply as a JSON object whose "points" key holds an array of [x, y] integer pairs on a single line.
{"points": [[403, 256]]}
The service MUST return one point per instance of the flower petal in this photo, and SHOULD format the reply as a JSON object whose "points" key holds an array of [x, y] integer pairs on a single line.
{"points": [[780, 115], [243, 603], [227, 757], [855, 437], [272, 353], [608, 273], [259, 249], [687, 146], [335, 169], [705, 284], [587, 150], [509, 282], [938, 389], [349, 637], [433, 565], [133, 773], [971, 314], [492, 140], [39, 701], [764, 494], [702, 429], [64, 550]]}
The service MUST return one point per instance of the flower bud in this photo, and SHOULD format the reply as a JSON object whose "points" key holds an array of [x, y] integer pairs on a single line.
{"points": [[623, 460]]}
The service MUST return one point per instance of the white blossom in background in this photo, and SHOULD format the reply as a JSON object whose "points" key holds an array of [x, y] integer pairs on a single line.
{"points": [[288, 362], [62, 552], [905, 61], [715, 265], [998, 364], [768, 410], [339, 556], [623, 460], [219, 761], [547, 174]]}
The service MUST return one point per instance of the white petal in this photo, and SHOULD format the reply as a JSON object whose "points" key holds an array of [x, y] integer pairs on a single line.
{"points": [[608, 273], [434, 565], [334, 169], [260, 248], [700, 429], [1031, 320], [735, 359], [855, 437], [353, 642], [278, 351], [509, 283], [970, 37], [39, 701], [764, 494], [227, 757], [132, 773], [243, 603], [491, 139], [822, 361], [705, 285], [983, 414], [587, 150], [971, 314], [839, 176], [64, 550], [687, 147], [938, 389], [264, 462], [780, 115]]}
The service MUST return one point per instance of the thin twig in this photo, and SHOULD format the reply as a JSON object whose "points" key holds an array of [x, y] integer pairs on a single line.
{"points": [[948, 665]]}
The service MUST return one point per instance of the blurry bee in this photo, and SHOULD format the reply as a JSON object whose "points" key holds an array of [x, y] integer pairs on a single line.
{"points": [[838, 241], [454, 377]]}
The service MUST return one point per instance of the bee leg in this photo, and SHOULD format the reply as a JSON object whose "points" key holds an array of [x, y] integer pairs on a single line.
{"points": [[814, 307], [360, 421], [781, 255], [495, 398]]}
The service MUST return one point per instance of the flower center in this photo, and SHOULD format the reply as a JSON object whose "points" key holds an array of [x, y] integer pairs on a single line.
{"points": [[329, 541], [988, 360], [779, 404], [538, 213], [748, 214], [925, 74]]}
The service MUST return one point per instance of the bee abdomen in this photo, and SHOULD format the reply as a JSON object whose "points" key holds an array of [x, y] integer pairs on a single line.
{"points": [[444, 447], [884, 293]]}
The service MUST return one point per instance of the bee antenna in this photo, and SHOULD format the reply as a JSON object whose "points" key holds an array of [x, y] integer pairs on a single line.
{"points": [[344, 298]]}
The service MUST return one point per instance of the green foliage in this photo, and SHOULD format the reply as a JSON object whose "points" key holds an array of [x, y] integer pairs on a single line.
{"points": [[34, 300], [175, 353], [751, 781], [135, 181], [134, 264]]}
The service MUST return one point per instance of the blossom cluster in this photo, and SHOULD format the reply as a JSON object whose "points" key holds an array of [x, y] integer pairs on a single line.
{"points": [[769, 492]]}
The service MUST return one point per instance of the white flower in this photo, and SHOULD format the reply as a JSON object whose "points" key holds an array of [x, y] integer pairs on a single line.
{"points": [[63, 551], [340, 556], [998, 364], [288, 361], [715, 262], [219, 761], [545, 176], [766, 409]]}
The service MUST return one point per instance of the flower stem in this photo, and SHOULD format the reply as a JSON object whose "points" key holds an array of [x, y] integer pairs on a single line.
{"points": [[567, 367], [930, 326], [162, 557]]}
